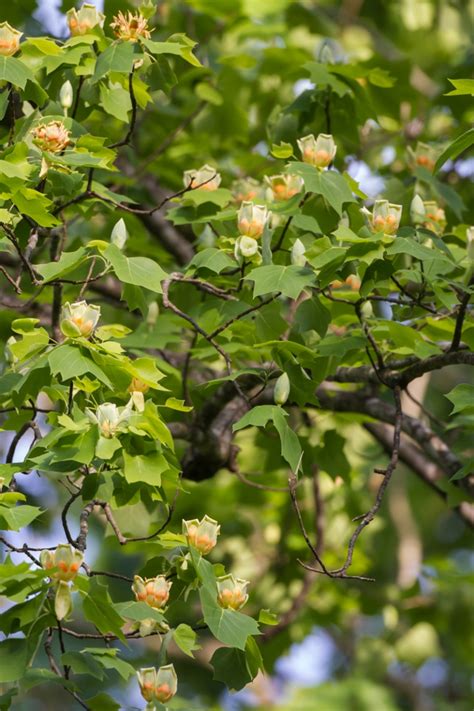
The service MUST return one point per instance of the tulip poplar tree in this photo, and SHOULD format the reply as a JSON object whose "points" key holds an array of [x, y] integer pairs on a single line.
{"points": [[233, 383]]}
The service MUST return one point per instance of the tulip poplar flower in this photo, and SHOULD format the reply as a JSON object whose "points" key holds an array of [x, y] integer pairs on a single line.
{"points": [[205, 178], [53, 137], [201, 534], [232, 592], [283, 187], [385, 217], [158, 684], [79, 319], [319, 151], [130, 27], [435, 217], [9, 40], [81, 21], [246, 189], [424, 155], [252, 219], [64, 564], [65, 560], [109, 418], [154, 591]]}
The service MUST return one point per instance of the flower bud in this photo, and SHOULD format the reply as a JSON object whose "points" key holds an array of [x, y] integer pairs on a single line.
{"points": [[246, 246], [298, 253], [52, 137], [252, 219], [79, 319], [154, 591], [201, 534], [131, 27], [81, 21], [326, 55], [283, 187], [366, 310], [282, 389], [110, 419], [385, 217], [470, 243], [417, 209], [153, 313], [9, 40], [66, 95], [119, 234], [64, 562], [319, 151], [232, 592], [205, 178]]}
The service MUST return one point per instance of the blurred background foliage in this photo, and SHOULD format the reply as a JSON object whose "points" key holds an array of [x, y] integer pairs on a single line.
{"points": [[405, 641]]}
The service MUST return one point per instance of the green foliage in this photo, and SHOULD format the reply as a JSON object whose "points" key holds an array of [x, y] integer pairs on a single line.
{"points": [[209, 329]]}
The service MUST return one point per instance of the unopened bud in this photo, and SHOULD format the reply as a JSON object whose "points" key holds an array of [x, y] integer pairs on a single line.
{"points": [[282, 389], [119, 234], [66, 95], [417, 209], [470, 243], [153, 313], [298, 252]]}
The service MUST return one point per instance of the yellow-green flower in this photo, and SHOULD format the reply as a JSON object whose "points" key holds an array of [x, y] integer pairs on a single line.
{"points": [[9, 39]]}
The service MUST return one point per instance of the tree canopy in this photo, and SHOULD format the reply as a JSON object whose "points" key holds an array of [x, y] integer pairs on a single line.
{"points": [[236, 271]]}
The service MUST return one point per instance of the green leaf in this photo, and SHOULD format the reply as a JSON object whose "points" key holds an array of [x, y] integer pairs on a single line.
{"points": [[98, 608], [228, 626], [283, 150], [462, 397], [200, 196], [115, 100], [259, 416], [328, 183], [267, 618], [139, 271], [462, 87], [15, 72], [460, 144], [138, 611], [331, 457], [185, 638], [231, 667], [67, 262], [182, 47], [213, 259], [118, 57], [36, 205], [69, 362], [207, 92], [146, 469], [15, 654], [289, 280], [15, 518], [108, 659]]}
